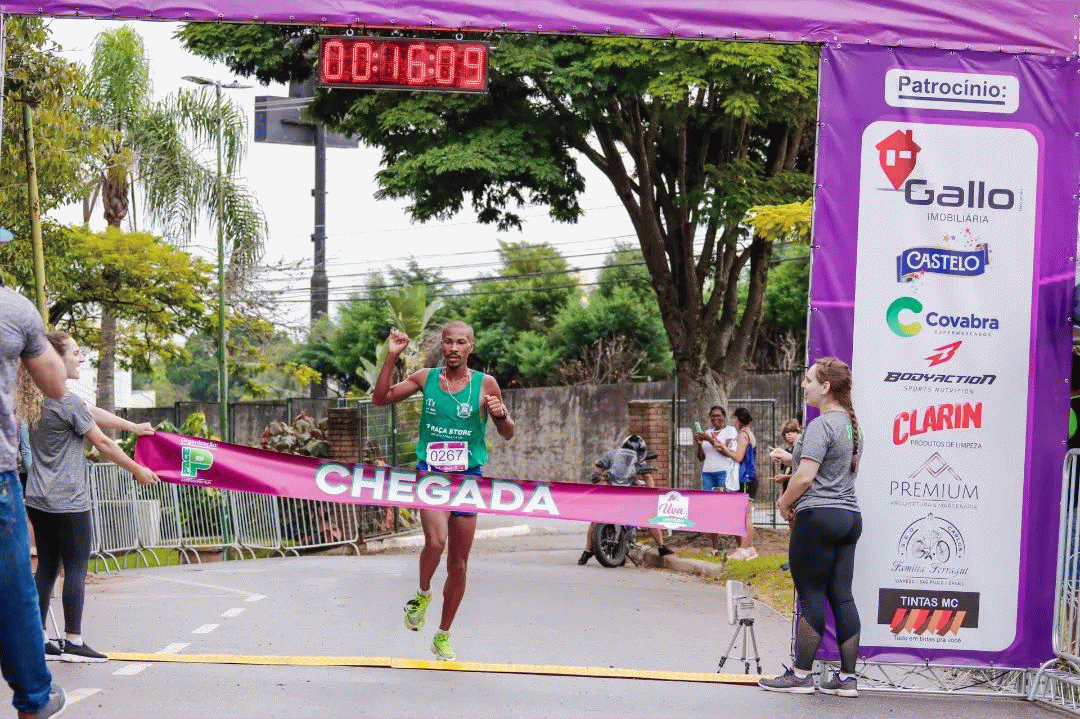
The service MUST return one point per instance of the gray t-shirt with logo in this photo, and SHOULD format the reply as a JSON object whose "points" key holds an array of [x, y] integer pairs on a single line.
{"points": [[828, 441], [22, 334], [58, 481]]}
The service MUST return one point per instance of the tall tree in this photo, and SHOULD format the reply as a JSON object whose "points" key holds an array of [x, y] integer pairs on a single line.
{"points": [[341, 348], [158, 147], [689, 134], [67, 147], [514, 309], [618, 333], [155, 288]]}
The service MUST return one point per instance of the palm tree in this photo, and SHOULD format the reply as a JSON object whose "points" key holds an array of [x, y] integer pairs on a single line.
{"points": [[157, 147]]}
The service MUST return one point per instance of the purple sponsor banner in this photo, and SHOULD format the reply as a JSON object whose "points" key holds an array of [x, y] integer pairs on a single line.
{"points": [[899, 98], [1040, 26], [199, 462]]}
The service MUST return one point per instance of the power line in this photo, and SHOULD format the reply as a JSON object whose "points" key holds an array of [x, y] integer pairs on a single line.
{"points": [[441, 226], [519, 290], [301, 272], [499, 278]]}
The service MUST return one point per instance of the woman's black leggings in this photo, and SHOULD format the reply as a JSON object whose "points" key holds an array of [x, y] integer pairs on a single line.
{"points": [[62, 538], [822, 556]]}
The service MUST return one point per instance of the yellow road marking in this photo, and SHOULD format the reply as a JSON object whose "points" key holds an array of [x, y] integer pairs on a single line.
{"points": [[394, 663]]}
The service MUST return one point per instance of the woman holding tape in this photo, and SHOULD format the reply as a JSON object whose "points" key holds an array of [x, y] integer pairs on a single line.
{"points": [[58, 500]]}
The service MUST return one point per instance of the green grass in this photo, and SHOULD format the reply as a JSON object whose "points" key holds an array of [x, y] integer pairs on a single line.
{"points": [[770, 583]]}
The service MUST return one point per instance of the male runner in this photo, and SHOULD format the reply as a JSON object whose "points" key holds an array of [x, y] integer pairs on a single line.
{"points": [[457, 403]]}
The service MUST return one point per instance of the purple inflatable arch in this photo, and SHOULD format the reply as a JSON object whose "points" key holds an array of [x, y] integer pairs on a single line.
{"points": [[1035, 26]]}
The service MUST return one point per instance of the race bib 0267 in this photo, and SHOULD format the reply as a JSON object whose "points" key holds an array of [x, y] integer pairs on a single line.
{"points": [[448, 456]]}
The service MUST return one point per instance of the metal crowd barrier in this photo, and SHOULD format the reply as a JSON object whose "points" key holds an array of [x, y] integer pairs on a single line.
{"points": [[146, 525], [1057, 682]]}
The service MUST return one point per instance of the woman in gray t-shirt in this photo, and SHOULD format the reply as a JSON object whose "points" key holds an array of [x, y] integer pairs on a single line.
{"points": [[820, 505], [58, 501]]}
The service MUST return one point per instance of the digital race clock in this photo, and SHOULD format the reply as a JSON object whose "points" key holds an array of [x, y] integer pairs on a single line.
{"points": [[417, 64]]}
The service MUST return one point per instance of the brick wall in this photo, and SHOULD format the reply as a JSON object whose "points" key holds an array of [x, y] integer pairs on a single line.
{"points": [[651, 419], [343, 428]]}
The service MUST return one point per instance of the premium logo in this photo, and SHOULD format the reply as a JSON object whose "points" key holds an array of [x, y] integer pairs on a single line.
{"points": [[913, 263], [920, 612], [944, 323], [912, 423], [934, 481]]}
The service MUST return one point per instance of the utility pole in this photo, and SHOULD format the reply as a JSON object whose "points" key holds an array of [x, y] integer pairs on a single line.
{"points": [[277, 120]]}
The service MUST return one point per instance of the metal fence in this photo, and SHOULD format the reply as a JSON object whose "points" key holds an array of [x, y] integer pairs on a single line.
{"points": [[151, 526], [145, 526], [1058, 681], [686, 471]]}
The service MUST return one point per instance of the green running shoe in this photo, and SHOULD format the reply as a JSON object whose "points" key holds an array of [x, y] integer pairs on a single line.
{"points": [[414, 611], [440, 645]]}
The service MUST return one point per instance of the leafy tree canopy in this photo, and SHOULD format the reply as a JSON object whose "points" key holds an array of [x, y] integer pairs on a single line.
{"points": [[66, 146], [690, 134]]}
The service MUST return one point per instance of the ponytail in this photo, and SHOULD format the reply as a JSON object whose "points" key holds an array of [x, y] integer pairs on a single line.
{"points": [[855, 432], [838, 375]]}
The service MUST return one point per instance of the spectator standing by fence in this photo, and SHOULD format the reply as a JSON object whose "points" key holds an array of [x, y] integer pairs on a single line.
{"points": [[22, 660], [744, 456], [718, 472], [58, 500]]}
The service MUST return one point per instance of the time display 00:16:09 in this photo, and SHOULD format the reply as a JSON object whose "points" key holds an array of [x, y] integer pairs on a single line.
{"points": [[416, 64]]}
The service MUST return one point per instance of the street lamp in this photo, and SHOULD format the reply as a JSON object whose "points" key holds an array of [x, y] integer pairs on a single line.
{"points": [[223, 367]]}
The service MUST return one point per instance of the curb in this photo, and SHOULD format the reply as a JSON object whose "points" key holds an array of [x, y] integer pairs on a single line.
{"points": [[709, 570]]}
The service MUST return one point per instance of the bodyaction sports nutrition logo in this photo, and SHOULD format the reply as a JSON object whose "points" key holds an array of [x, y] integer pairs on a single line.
{"points": [[942, 322]]}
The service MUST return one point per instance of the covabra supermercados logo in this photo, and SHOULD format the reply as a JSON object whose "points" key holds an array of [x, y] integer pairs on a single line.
{"points": [[943, 321], [969, 200]]}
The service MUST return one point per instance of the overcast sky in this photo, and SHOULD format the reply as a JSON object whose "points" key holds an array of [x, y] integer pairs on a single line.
{"points": [[362, 234]]}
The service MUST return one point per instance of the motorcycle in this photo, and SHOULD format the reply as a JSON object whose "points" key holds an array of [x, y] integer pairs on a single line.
{"points": [[612, 542]]}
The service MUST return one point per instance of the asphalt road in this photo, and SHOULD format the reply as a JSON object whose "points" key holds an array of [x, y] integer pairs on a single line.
{"points": [[527, 603]]}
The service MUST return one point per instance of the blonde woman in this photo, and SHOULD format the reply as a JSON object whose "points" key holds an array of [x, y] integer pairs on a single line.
{"points": [[58, 500]]}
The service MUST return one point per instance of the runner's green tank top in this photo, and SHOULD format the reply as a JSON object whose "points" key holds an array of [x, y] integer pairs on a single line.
{"points": [[441, 418]]}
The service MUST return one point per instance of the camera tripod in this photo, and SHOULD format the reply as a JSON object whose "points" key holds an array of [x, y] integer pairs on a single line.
{"points": [[745, 627]]}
